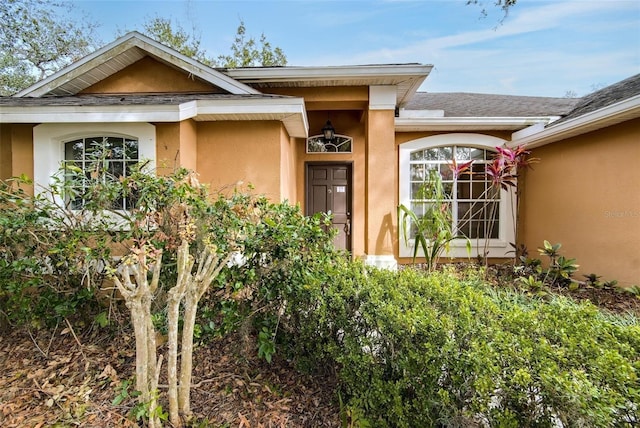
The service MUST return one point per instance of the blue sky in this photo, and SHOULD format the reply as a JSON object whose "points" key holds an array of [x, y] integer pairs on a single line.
{"points": [[542, 48]]}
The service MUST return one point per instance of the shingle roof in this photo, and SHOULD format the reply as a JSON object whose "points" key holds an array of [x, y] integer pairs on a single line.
{"points": [[461, 104], [125, 99], [604, 97]]}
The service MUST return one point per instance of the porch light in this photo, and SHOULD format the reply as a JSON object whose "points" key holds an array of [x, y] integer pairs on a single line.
{"points": [[328, 131]]}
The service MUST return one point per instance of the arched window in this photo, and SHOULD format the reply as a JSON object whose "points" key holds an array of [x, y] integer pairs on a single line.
{"points": [[480, 213], [112, 157], [120, 145]]}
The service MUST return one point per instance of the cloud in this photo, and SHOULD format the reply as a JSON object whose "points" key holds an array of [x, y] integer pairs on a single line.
{"points": [[541, 49]]}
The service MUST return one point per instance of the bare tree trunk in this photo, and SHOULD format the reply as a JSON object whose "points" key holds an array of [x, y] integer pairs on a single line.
{"points": [[209, 265], [138, 299], [175, 296]]}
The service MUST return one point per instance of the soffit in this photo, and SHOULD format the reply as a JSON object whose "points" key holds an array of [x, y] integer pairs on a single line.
{"points": [[406, 77]]}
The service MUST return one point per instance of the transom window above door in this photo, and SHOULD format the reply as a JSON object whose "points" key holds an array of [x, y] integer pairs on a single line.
{"points": [[337, 144]]}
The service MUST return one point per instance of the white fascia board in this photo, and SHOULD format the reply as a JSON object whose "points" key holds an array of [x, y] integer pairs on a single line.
{"points": [[71, 114], [290, 111], [282, 106], [276, 74], [412, 124], [36, 89], [610, 115], [128, 41]]}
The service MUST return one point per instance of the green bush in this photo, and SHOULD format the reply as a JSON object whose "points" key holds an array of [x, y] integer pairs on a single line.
{"points": [[42, 280], [415, 350]]}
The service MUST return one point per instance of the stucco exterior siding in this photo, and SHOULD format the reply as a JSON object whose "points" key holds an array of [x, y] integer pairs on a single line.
{"points": [[5, 151], [16, 151], [247, 152], [148, 76], [585, 194], [382, 184]]}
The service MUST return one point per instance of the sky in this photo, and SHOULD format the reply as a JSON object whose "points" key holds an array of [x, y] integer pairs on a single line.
{"points": [[541, 48]]}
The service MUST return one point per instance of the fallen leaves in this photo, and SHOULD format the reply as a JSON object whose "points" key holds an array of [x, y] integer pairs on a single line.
{"points": [[69, 386]]}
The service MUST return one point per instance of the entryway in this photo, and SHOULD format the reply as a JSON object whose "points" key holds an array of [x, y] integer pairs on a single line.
{"points": [[328, 189]]}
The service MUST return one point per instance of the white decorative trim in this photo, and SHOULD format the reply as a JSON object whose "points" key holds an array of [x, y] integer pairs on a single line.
{"points": [[382, 97], [382, 262], [290, 111], [49, 138], [497, 247]]}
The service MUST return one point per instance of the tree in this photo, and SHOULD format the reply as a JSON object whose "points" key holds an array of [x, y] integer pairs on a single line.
{"points": [[244, 52], [36, 40], [247, 53], [174, 36], [505, 5]]}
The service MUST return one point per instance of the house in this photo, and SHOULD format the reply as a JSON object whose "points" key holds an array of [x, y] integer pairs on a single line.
{"points": [[353, 140]]}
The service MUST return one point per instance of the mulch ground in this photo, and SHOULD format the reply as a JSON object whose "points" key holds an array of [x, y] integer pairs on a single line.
{"points": [[54, 379]]}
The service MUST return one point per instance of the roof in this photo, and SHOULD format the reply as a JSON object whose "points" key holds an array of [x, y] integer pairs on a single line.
{"points": [[460, 104], [133, 46], [604, 97], [128, 99], [609, 106]]}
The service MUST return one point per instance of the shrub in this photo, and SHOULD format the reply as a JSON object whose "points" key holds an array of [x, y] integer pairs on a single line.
{"points": [[414, 350], [42, 279]]}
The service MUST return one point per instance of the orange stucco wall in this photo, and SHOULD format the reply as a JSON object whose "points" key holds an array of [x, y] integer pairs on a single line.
{"points": [[16, 151], [5, 151], [584, 194], [288, 155], [382, 184], [138, 78], [176, 146], [247, 152]]}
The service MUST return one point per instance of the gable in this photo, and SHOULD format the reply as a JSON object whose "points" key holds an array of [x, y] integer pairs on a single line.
{"points": [[121, 54], [148, 75]]}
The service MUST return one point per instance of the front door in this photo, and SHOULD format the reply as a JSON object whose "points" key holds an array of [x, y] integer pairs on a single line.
{"points": [[329, 190]]}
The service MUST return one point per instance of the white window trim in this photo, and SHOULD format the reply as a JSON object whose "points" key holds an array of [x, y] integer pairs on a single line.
{"points": [[49, 138], [498, 248]]}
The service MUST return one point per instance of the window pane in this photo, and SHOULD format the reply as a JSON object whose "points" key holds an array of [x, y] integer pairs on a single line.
{"points": [[418, 172], [478, 190], [73, 150], [477, 154], [464, 191], [116, 148], [463, 153], [445, 171], [419, 155], [131, 149]]}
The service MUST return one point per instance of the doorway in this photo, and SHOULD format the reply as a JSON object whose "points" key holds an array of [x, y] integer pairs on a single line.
{"points": [[328, 189]]}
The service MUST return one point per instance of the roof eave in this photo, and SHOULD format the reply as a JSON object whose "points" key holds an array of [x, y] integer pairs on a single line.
{"points": [[291, 112], [467, 123], [406, 77], [616, 113]]}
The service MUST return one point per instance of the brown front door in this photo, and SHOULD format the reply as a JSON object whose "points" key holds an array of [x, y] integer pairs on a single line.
{"points": [[329, 190]]}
